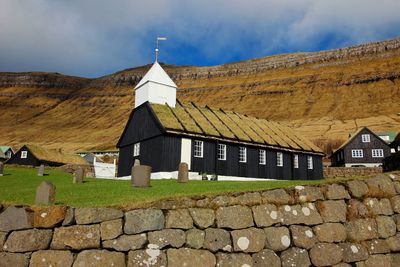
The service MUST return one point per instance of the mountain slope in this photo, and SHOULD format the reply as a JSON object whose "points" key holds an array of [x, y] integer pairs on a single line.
{"points": [[324, 95]]}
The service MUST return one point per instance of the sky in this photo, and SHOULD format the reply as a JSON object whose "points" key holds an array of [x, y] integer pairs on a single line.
{"points": [[92, 38]]}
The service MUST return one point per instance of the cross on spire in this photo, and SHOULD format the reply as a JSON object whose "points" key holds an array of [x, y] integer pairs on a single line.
{"points": [[159, 39]]}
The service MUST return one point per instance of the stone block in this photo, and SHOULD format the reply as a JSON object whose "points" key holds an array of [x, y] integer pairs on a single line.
{"points": [[336, 191], [79, 176], [266, 215], [13, 259], [233, 260], [394, 243], [142, 220], [99, 258], [28, 240], [195, 238], [126, 242], [46, 258], [303, 236], [332, 210], [248, 240], [96, 215], [277, 238], [249, 199], [326, 254], [217, 239], [357, 209], [386, 226], [222, 201], [76, 237], [361, 229], [395, 201], [300, 214], [141, 176], [111, 229], [13, 218], [308, 193], [330, 232], [353, 252], [295, 257], [379, 206], [3, 236], [69, 218], [151, 257], [376, 261], [202, 218], [183, 172], [48, 217], [179, 219], [380, 186], [190, 257], [395, 259], [396, 218], [45, 193], [234, 217], [376, 246], [276, 196], [167, 237], [357, 188], [266, 258]]}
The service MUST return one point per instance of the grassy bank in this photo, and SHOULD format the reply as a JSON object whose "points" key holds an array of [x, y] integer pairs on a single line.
{"points": [[18, 186]]}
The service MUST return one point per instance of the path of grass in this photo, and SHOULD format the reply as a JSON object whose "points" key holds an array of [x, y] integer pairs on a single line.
{"points": [[19, 184]]}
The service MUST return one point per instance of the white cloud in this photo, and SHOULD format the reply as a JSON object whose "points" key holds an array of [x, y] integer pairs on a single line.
{"points": [[95, 37]]}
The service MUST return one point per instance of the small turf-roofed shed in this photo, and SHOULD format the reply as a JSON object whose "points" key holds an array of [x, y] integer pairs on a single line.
{"points": [[34, 155], [210, 140]]}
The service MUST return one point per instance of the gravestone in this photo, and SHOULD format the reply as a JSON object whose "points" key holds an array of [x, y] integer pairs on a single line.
{"points": [[183, 172], [41, 170], [214, 177], [140, 176], [136, 163], [1, 168], [204, 177], [79, 174], [45, 193]]}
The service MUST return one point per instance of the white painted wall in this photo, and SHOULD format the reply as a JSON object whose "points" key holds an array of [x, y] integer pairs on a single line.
{"points": [[186, 151], [155, 93]]}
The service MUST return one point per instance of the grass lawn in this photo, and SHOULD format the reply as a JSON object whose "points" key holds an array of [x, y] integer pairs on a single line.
{"points": [[18, 186]]}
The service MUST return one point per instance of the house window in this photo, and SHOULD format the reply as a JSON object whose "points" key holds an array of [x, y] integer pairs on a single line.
{"points": [[310, 163], [8, 155], [377, 153], [296, 161], [221, 152], [136, 149], [357, 153], [365, 138], [262, 157], [198, 149], [24, 154], [279, 159], [242, 154]]}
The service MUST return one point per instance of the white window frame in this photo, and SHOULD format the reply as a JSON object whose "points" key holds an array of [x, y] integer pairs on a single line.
{"points": [[198, 147], [136, 149], [279, 159], [8, 154], [24, 154], [295, 161], [377, 153], [357, 153], [366, 138], [242, 154], [310, 163], [221, 152], [262, 157]]}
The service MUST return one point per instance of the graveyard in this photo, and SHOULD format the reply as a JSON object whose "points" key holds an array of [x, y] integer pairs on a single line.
{"points": [[18, 186]]}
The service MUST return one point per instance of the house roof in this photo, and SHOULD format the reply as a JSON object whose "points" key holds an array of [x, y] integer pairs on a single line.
{"points": [[392, 135], [156, 74], [54, 155], [5, 148], [191, 119]]}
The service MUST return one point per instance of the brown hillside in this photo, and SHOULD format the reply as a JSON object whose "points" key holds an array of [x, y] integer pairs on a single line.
{"points": [[324, 95]]}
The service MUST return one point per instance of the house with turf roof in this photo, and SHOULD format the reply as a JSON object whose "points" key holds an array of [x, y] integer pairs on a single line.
{"points": [[162, 132], [6, 152]]}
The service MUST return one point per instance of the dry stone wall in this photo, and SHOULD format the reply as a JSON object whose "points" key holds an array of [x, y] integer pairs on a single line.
{"points": [[355, 223], [333, 172]]}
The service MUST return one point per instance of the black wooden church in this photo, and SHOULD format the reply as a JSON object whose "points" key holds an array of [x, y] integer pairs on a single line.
{"points": [[162, 132]]}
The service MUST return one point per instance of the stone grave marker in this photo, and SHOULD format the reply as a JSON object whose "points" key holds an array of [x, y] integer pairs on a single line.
{"points": [[140, 176], [204, 177], [45, 193], [41, 170], [1, 168], [183, 172], [136, 162], [79, 175], [214, 177]]}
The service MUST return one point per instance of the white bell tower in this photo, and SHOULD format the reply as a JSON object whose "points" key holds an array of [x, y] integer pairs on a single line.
{"points": [[156, 86]]}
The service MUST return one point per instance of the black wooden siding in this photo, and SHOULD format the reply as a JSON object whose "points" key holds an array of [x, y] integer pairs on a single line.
{"points": [[30, 159]]}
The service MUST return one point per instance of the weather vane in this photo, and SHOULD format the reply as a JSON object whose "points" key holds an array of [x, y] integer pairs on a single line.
{"points": [[159, 39]]}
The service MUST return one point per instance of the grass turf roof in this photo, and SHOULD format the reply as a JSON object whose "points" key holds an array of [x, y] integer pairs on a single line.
{"points": [[191, 119], [54, 155]]}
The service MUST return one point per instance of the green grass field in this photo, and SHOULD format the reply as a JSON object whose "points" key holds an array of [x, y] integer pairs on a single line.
{"points": [[18, 186]]}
